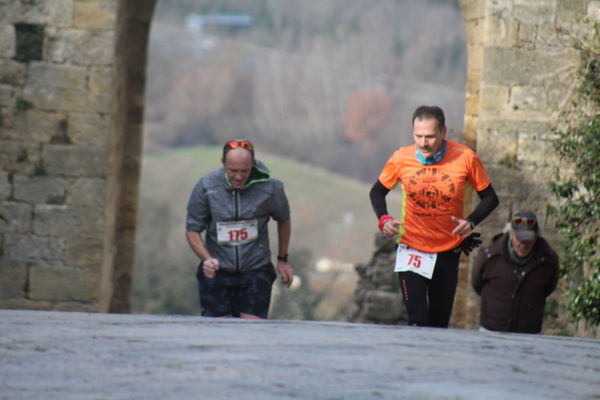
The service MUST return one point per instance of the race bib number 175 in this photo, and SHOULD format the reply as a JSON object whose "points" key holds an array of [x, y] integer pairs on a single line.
{"points": [[235, 233], [416, 261]]}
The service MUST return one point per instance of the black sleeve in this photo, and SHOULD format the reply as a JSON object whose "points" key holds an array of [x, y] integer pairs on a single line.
{"points": [[488, 201], [377, 195]]}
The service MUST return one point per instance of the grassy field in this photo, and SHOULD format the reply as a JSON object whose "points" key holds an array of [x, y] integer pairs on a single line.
{"points": [[331, 219]]}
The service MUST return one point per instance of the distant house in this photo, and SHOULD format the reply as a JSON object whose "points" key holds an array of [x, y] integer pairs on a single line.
{"points": [[218, 24]]}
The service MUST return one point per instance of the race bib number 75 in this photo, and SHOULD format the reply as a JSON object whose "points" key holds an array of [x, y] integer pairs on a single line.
{"points": [[235, 233], [416, 261]]}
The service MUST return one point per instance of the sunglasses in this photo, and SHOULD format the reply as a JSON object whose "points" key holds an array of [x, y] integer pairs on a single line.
{"points": [[524, 221], [244, 144]]}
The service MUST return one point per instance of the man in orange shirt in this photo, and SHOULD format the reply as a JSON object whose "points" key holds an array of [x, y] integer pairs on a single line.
{"points": [[431, 230]]}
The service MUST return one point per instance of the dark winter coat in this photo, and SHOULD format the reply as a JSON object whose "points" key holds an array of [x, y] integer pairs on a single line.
{"points": [[513, 298]]}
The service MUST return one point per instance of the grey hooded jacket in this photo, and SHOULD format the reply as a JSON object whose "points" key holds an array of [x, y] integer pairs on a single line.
{"points": [[214, 200]]}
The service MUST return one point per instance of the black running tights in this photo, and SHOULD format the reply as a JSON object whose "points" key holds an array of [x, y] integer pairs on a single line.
{"points": [[429, 301]]}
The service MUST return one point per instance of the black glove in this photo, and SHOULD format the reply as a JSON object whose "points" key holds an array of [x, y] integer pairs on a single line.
{"points": [[470, 243]]}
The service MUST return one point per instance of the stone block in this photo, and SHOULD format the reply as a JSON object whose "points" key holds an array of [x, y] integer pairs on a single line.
{"points": [[39, 189], [560, 94], [45, 127], [89, 192], [84, 251], [537, 149], [527, 35], [494, 97], [87, 306], [528, 98], [472, 104], [80, 47], [33, 125], [384, 306], [12, 73], [98, 14], [9, 11], [20, 157], [90, 128], [59, 283], [474, 67], [472, 9], [68, 99], [497, 140], [7, 95], [498, 6], [570, 11], [62, 76], [475, 32], [34, 248], [593, 11], [5, 186], [535, 11], [68, 221], [15, 217], [7, 41], [534, 66], [23, 304], [51, 13], [101, 79], [13, 279], [501, 30], [75, 160]]}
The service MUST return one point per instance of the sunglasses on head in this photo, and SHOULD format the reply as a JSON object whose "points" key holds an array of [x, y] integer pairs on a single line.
{"points": [[244, 144], [524, 221]]}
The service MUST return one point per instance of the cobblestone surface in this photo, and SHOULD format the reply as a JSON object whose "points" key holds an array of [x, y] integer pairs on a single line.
{"points": [[61, 355]]}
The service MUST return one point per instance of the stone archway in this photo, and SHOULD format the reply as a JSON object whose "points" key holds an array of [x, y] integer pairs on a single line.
{"points": [[124, 158]]}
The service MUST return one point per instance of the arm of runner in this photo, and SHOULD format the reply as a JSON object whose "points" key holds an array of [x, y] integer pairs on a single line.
{"points": [[387, 224], [463, 227], [390, 228], [284, 231], [210, 265], [377, 196], [488, 201]]}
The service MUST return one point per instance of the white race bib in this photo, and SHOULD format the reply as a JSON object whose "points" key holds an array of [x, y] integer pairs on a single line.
{"points": [[235, 233], [416, 261]]}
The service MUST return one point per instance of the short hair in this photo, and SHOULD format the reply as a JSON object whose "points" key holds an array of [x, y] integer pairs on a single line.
{"points": [[429, 112]]}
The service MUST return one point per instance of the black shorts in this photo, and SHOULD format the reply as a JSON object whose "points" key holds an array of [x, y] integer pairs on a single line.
{"points": [[232, 293]]}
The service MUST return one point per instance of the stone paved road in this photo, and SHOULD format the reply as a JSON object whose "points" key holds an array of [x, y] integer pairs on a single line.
{"points": [[59, 355]]}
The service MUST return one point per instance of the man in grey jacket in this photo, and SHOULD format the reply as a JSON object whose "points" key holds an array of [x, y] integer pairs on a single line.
{"points": [[514, 275], [232, 206]]}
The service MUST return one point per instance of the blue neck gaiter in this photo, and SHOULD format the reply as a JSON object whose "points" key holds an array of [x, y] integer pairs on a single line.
{"points": [[434, 158]]}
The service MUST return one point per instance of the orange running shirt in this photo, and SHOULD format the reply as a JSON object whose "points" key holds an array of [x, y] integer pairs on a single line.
{"points": [[432, 194]]}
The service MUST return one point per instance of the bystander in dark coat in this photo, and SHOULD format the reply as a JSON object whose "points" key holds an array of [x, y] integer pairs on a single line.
{"points": [[514, 275]]}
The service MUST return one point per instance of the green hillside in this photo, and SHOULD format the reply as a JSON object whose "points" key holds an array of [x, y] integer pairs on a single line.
{"points": [[331, 218]]}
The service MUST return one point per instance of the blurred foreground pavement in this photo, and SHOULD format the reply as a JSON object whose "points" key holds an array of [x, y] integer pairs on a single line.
{"points": [[61, 355]]}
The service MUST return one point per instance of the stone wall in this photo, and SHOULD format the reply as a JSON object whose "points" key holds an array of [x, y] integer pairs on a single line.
{"points": [[529, 77], [56, 62]]}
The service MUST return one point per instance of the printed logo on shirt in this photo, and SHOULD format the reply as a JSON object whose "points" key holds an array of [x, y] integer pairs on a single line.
{"points": [[430, 188]]}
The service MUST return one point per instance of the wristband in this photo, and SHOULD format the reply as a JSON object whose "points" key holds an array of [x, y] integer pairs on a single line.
{"points": [[383, 219], [282, 258], [210, 258], [471, 223]]}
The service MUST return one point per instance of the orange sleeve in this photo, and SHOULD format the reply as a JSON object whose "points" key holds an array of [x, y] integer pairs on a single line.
{"points": [[389, 174], [478, 178]]}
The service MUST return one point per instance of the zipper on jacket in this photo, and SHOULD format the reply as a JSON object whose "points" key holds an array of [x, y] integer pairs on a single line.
{"points": [[238, 260]]}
